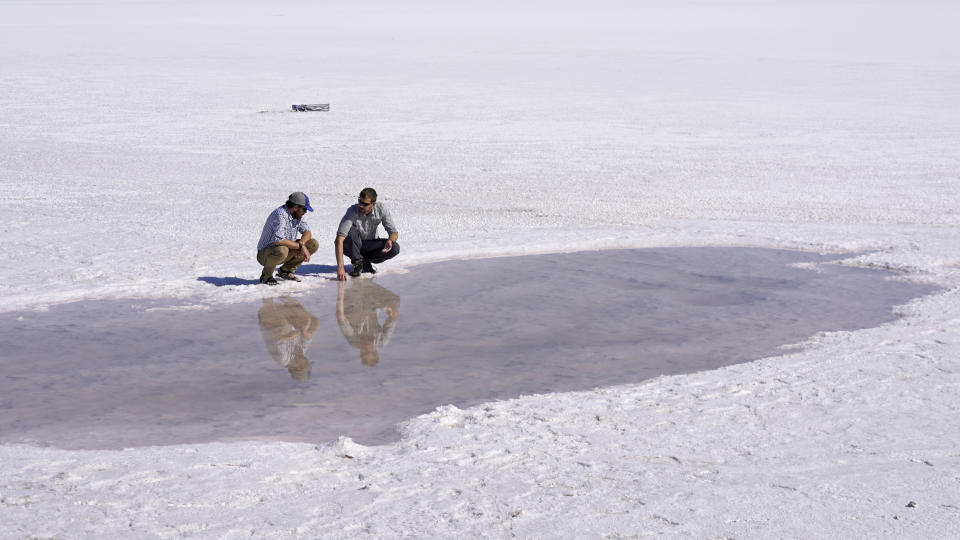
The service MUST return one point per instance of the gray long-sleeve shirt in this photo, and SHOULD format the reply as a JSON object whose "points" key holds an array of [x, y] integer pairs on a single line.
{"points": [[367, 223]]}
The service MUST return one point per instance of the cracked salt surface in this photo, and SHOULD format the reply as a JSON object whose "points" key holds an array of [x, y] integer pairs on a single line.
{"points": [[355, 359]]}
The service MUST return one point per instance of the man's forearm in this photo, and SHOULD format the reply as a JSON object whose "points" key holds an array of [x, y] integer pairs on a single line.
{"points": [[338, 250], [393, 236], [296, 244]]}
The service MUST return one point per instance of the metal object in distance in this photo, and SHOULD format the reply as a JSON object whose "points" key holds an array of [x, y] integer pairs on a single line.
{"points": [[312, 107]]}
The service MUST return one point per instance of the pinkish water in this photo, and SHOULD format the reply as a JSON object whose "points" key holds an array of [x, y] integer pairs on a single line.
{"points": [[356, 359]]}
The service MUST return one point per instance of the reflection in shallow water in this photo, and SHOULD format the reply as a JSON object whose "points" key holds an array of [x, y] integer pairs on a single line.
{"points": [[359, 309], [112, 374], [287, 330]]}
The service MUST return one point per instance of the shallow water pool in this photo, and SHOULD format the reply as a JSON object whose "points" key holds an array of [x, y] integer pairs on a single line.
{"points": [[355, 359]]}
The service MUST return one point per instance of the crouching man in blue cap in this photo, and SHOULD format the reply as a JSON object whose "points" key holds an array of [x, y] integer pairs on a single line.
{"points": [[279, 244], [357, 236]]}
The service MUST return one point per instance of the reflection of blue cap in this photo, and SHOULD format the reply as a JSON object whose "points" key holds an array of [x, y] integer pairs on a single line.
{"points": [[300, 198]]}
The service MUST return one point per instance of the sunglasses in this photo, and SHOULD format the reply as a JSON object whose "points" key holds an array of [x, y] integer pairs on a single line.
{"points": [[365, 204]]}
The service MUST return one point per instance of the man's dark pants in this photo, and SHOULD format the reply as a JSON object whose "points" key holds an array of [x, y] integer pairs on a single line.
{"points": [[369, 250]]}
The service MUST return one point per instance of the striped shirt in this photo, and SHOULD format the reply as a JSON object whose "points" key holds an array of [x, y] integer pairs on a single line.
{"points": [[280, 224], [367, 223]]}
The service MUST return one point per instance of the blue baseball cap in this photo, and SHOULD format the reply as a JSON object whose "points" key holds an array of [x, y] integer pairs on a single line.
{"points": [[300, 198]]}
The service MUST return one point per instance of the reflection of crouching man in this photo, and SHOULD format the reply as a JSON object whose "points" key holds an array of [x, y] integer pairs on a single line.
{"points": [[279, 244], [357, 236], [287, 330], [359, 318]]}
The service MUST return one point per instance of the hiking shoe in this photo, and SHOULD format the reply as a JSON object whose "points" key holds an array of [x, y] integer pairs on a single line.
{"points": [[357, 267], [268, 280], [288, 275], [368, 268]]}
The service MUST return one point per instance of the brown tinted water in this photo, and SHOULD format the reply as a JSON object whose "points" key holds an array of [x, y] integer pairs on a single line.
{"points": [[356, 359]]}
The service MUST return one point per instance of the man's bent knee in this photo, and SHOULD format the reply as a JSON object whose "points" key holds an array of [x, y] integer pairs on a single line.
{"points": [[381, 256], [272, 255], [312, 245]]}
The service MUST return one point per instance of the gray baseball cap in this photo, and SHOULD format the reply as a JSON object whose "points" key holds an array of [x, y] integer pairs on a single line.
{"points": [[299, 197]]}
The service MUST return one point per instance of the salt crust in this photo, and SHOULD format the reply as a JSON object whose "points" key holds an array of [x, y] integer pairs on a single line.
{"points": [[772, 125]]}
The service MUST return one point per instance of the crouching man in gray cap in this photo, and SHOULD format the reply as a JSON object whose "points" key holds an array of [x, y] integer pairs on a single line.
{"points": [[357, 236], [279, 244]]}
